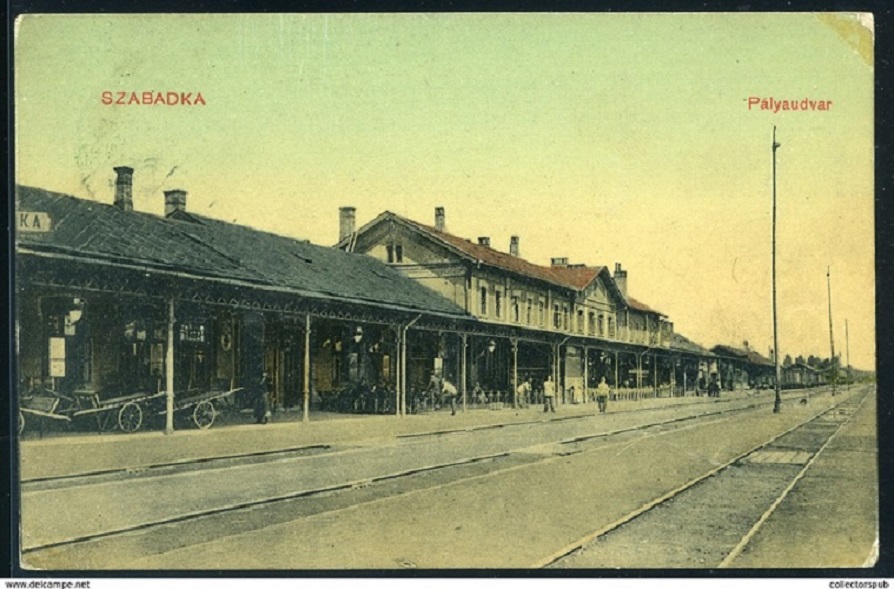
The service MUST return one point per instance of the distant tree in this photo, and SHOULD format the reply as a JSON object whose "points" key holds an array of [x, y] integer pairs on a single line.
{"points": [[787, 361], [799, 360], [813, 361]]}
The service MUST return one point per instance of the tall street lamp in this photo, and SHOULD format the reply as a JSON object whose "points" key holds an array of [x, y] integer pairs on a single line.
{"points": [[777, 403]]}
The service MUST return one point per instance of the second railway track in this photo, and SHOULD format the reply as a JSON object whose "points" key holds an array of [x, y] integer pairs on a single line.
{"points": [[710, 520]]}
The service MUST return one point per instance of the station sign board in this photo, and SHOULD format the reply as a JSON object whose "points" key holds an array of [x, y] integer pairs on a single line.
{"points": [[33, 222]]}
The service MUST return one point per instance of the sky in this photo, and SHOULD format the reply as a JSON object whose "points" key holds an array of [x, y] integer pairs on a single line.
{"points": [[603, 138]]}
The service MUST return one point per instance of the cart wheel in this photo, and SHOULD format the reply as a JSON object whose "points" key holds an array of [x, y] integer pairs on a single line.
{"points": [[130, 417], [21, 422], [203, 415]]}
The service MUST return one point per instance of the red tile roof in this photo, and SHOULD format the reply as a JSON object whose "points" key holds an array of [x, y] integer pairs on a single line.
{"points": [[575, 277], [490, 256], [579, 277]]}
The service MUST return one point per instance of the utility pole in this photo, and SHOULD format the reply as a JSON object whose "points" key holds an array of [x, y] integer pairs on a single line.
{"points": [[831, 336], [777, 403], [847, 344]]}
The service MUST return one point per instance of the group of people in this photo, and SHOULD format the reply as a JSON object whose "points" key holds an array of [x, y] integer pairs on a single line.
{"points": [[549, 394], [524, 392], [449, 395]]}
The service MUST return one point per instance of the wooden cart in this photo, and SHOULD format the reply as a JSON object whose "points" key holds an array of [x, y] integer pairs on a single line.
{"points": [[200, 406], [123, 412]]}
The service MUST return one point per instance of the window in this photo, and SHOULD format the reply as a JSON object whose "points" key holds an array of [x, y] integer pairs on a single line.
{"points": [[516, 311], [483, 300], [498, 303], [580, 321], [528, 311], [611, 327], [565, 316], [557, 317], [541, 313], [591, 323], [395, 253], [601, 325]]}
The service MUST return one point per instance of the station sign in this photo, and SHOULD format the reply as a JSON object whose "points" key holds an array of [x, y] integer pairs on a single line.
{"points": [[33, 222]]}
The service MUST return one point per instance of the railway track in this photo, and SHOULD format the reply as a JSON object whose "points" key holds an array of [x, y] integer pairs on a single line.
{"points": [[708, 521], [226, 461], [350, 493]]}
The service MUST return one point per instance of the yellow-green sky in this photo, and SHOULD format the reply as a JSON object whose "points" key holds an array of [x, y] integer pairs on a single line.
{"points": [[602, 137]]}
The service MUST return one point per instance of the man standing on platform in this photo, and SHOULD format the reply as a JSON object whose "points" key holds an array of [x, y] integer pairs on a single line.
{"points": [[523, 393], [602, 392], [549, 395]]}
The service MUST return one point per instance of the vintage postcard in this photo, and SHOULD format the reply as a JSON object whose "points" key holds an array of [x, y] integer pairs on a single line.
{"points": [[404, 292]]}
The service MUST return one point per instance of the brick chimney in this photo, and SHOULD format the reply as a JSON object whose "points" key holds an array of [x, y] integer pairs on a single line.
{"points": [[485, 241], [513, 246], [558, 262], [175, 200], [621, 278], [124, 188], [439, 219], [346, 216]]}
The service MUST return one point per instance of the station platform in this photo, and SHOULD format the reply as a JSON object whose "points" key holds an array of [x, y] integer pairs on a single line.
{"points": [[237, 434]]}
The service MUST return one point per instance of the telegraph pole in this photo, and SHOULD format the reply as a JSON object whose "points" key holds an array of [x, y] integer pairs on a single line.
{"points": [[831, 336], [847, 343], [777, 403]]}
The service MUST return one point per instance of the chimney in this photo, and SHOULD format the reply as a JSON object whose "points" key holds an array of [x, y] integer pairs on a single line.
{"points": [[124, 188], [485, 241], [439, 219], [621, 278], [175, 200], [513, 246], [345, 222], [558, 262]]}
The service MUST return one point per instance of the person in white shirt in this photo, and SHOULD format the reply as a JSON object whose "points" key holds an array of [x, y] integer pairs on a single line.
{"points": [[602, 392], [549, 395], [448, 393], [523, 392]]}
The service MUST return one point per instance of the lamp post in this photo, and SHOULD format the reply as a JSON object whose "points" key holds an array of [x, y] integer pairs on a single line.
{"points": [[777, 403]]}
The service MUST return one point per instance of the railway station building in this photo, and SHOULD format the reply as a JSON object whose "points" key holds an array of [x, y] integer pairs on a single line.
{"points": [[111, 301], [574, 322]]}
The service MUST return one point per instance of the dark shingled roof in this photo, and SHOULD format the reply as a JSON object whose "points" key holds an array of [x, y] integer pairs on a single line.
{"points": [[748, 355], [206, 247], [684, 344], [635, 304]]}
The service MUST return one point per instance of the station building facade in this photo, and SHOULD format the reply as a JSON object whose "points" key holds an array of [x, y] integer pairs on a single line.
{"points": [[113, 300], [573, 322], [110, 300]]}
